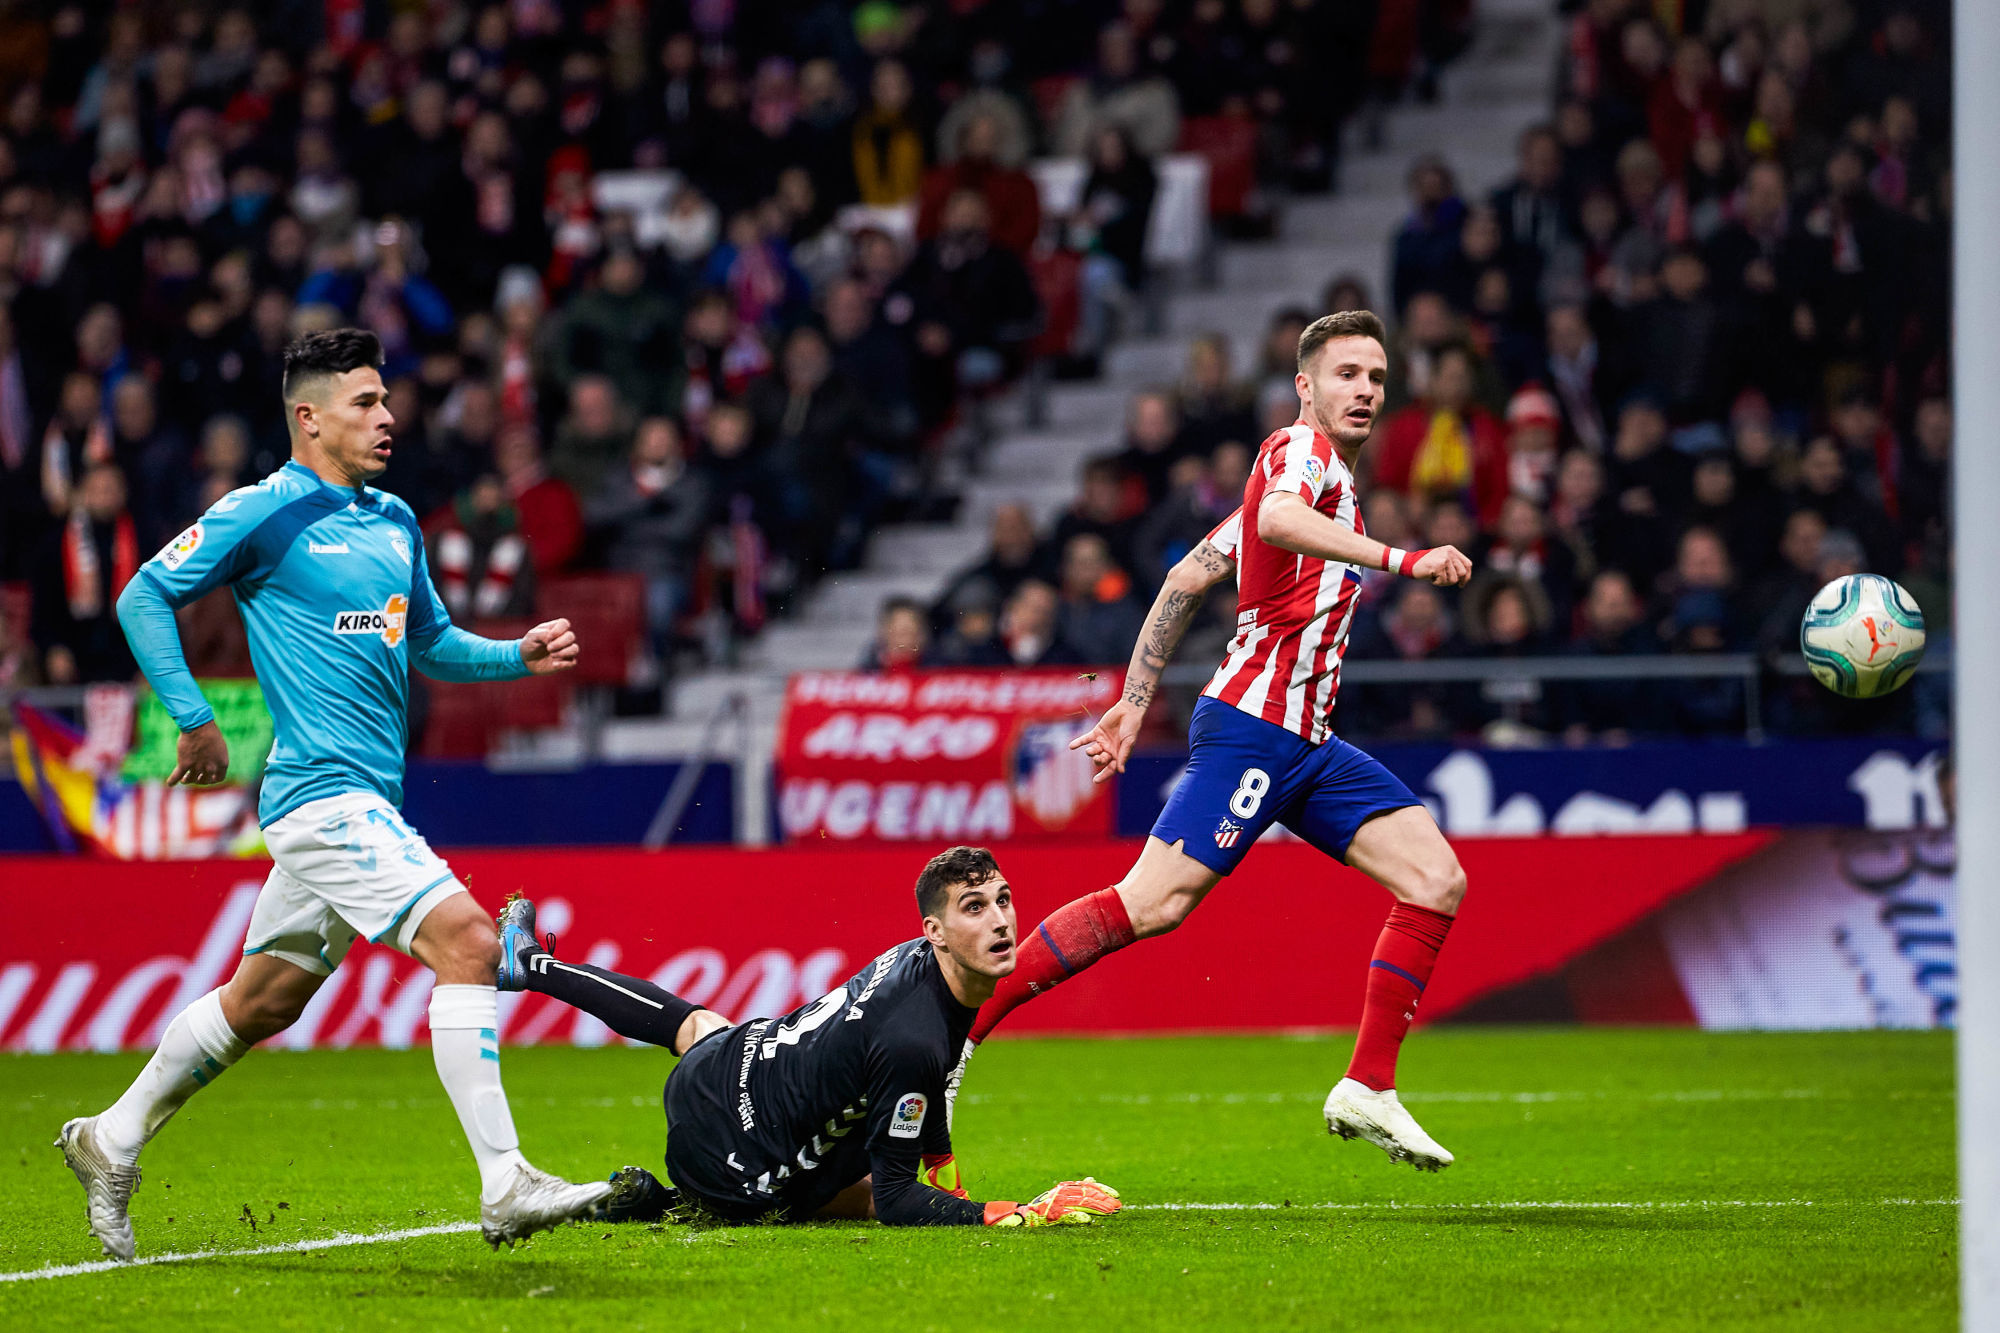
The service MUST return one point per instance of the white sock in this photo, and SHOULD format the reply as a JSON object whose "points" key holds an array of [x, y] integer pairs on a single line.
{"points": [[194, 1050], [466, 1048]]}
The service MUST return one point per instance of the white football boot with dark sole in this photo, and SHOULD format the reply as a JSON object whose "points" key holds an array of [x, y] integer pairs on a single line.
{"points": [[1356, 1111], [107, 1186], [536, 1201]]}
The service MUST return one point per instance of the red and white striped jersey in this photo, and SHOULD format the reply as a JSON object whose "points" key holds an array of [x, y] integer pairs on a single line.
{"points": [[1292, 611]]}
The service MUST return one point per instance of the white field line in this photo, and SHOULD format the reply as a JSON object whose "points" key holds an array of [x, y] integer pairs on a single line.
{"points": [[1537, 1205], [340, 1241], [1502, 1098], [348, 1238], [49, 1106]]}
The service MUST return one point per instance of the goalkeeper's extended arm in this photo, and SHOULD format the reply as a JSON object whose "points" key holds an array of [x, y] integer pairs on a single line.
{"points": [[907, 1197], [1072, 1203]]}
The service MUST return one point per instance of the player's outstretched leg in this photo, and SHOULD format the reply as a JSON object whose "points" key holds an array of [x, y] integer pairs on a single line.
{"points": [[1067, 941], [516, 1199], [632, 1007], [1153, 898], [1405, 853]]}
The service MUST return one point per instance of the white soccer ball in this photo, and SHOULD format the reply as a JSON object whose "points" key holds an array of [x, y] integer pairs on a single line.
{"points": [[1863, 636]]}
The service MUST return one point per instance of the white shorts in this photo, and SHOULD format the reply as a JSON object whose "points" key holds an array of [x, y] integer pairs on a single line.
{"points": [[347, 866]]}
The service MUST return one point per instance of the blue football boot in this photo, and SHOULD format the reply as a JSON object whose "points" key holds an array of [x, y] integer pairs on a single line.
{"points": [[517, 942]]}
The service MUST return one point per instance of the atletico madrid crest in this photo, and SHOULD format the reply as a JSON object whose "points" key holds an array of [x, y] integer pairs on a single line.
{"points": [[1227, 832]]}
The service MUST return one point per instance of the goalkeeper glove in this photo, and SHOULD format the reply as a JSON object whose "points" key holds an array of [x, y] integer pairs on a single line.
{"points": [[941, 1173], [1072, 1203]]}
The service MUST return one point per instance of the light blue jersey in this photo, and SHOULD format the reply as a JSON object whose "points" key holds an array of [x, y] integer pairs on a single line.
{"points": [[338, 602]]}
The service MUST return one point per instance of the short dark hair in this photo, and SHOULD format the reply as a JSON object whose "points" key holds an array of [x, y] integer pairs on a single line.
{"points": [[327, 353], [950, 869], [1341, 324]]}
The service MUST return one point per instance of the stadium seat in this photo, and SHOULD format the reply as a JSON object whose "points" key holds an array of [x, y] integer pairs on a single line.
{"points": [[1229, 144], [1048, 92], [1057, 279], [608, 613], [461, 721], [531, 702], [467, 716]]}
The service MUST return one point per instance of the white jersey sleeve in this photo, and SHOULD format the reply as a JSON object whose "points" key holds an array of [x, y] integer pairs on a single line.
{"points": [[1300, 465]]}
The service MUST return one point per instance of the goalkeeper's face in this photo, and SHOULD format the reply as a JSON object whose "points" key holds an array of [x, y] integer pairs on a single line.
{"points": [[976, 927]]}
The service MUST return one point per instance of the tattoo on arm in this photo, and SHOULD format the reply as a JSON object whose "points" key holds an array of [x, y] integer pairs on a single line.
{"points": [[1171, 613], [1213, 561]]}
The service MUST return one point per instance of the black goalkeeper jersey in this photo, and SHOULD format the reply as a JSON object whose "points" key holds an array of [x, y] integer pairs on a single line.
{"points": [[776, 1116]]}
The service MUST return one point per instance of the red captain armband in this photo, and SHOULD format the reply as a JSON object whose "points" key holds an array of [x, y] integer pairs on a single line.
{"points": [[1401, 561]]}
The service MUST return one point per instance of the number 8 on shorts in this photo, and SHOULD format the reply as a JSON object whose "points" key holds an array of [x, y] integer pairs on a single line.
{"points": [[1249, 794]]}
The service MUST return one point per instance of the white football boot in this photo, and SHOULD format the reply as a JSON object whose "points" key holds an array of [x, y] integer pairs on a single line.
{"points": [[107, 1186], [536, 1201], [1355, 1110]]}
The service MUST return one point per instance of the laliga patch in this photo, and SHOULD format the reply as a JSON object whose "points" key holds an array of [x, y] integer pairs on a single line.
{"points": [[175, 553], [388, 622], [1315, 472], [908, 1121]]}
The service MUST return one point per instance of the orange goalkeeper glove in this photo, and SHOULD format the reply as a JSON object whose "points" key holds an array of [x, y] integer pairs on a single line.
{"points": [[1072, 1203], [941, 1173]]}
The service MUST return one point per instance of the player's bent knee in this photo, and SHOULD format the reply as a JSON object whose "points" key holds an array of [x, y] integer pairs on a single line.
{"points": [[262, 1015], [457, 941], [472, 948], [1440, 887], [1159, 914]]}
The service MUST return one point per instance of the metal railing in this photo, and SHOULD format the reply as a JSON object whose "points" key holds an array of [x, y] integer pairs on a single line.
{"points": [[729, 735], [1751, 670]]}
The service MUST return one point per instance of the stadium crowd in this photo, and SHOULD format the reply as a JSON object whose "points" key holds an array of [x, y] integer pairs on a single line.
{"points": [[1685, 366], [1688, 363], [721, 392]]}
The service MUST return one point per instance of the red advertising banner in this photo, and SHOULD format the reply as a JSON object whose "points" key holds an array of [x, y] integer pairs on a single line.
{"points": [[958, 756], [99, 955]]}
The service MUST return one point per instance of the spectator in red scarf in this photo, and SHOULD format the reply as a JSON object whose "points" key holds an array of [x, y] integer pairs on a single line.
{"points": [[1444, 444], [75, 610], [1687, 105], [1534, 426], [479, 558]]}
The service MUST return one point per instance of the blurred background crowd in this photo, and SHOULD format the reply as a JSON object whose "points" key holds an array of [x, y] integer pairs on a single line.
{"points": [[703, 293], [1683, 368], [721, 392]]}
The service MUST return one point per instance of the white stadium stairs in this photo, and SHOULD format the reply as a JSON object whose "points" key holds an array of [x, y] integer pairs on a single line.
{"points": [[1499, 87]]}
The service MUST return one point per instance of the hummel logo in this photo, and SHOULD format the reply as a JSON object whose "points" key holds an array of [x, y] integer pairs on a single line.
{"points": [[327, 548]]}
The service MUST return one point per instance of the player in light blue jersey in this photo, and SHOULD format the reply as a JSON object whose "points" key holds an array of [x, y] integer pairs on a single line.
{"points": [[330, 576]]}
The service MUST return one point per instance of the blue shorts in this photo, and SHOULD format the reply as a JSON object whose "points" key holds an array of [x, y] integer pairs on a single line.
{"points": [[1245, 774]]}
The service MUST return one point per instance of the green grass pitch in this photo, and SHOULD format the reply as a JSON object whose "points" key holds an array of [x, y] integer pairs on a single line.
{"points": [[1606, 1180]]}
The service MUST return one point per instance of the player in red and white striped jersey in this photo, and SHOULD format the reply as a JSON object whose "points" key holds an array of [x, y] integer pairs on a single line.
{"points": [[1261, 749]]}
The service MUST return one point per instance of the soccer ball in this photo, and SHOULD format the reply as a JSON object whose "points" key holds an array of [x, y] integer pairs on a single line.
{"points": [[1863, 636]]}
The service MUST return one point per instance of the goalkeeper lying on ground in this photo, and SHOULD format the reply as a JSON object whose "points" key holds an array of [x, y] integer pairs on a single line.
{"points": [[838, 1108]]}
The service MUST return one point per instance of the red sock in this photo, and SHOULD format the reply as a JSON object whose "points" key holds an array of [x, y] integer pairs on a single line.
{"points": [[1069, 939], [1404, 955]]}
